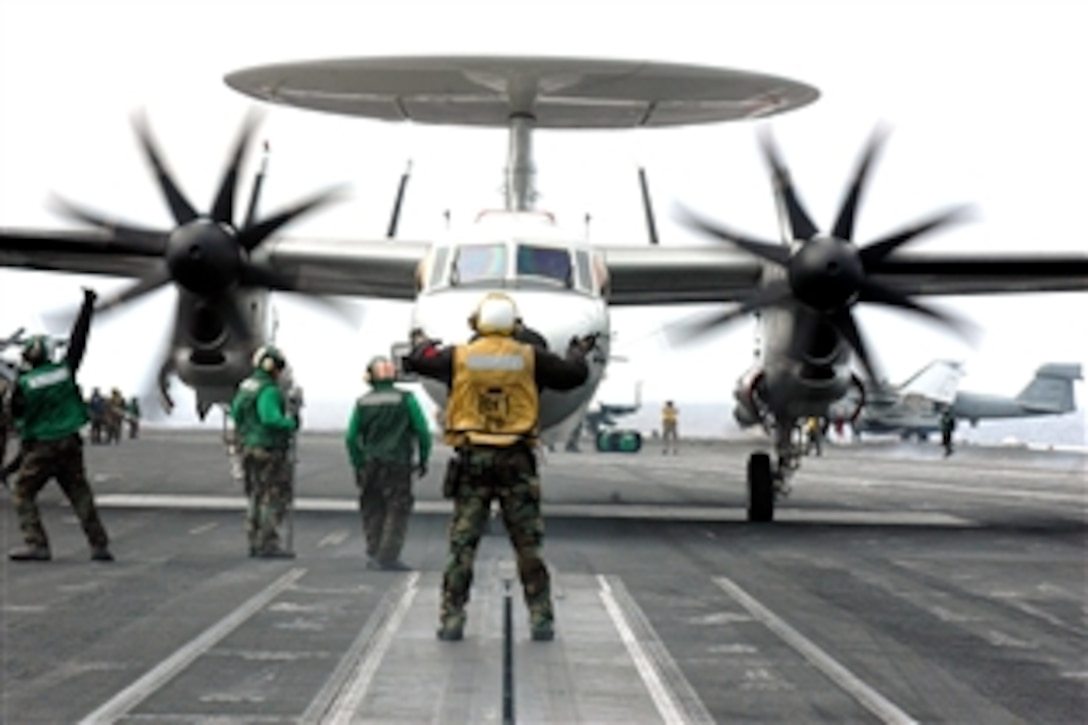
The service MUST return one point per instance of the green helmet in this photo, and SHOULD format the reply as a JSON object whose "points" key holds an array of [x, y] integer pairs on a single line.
{"points": [[38, 349], [269, 358]]}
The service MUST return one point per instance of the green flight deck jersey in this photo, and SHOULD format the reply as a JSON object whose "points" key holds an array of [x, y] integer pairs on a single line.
{"points": [[53, 407], [384, 424], [257, 410]]}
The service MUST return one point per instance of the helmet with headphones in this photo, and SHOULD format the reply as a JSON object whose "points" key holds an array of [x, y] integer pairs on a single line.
{"points": [[495, 315], [269, 359], [380, 369], [38, 349]]}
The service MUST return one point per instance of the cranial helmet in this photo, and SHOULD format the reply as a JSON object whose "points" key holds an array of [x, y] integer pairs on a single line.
{"points": [[495, 315], [380, 368], [38, 349], [269, 359]]}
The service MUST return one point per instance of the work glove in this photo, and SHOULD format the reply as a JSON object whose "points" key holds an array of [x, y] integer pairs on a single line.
{"points": [[89, 294], [418, 338], [360, 479], [421, 469]]}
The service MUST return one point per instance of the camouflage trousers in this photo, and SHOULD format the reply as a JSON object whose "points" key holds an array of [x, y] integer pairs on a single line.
{"points": [[268, 491], [669, 435], [3, 439], [61, 459], [385, 502], [509, 475]]}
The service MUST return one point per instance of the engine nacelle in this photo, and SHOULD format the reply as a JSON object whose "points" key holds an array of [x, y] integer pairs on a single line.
{"points": [[749, 408], [850, 405]]}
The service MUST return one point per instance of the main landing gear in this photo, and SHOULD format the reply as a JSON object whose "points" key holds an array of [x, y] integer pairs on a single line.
{"points": [[761, 487], [766, 482]]}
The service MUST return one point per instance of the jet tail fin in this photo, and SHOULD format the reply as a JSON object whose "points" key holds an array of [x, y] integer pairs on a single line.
{"points": [[1051, 390]]}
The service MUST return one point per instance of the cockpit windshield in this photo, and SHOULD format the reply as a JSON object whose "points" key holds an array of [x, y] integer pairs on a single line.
{"points": [[549, 263], [479, 262], [533, 265]]}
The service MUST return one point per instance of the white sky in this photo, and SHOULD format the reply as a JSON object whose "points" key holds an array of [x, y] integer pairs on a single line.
{"points": [[985, 101]]}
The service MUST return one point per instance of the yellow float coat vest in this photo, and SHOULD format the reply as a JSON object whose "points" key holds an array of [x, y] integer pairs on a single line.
{"points": [[493, 396]]}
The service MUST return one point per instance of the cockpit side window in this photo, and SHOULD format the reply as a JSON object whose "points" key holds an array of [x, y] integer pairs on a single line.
{"points": [[585, 277], [478, 262], [438, 269], [545, 262]]}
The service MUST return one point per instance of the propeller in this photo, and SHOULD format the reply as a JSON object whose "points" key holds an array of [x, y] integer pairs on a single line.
{"points": [[207, 254], [826, 274]]}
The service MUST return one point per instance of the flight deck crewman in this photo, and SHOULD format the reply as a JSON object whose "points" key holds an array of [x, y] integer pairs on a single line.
{"points": [[386, 429], [5, 422], [948, 424], [49, 411], [669, 436], [492, 419], [265, 431]]}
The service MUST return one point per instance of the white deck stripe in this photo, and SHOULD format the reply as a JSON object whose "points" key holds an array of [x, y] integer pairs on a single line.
{"points": [[128, 698], [662, 697], [869, 698], [344, 707], [578, 510]]}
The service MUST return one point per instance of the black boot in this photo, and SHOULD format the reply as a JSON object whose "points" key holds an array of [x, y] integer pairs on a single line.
{"points": [[31, 552]]}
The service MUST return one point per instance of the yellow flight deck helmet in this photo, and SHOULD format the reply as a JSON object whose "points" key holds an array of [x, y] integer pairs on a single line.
{"points": [[495, 315]]}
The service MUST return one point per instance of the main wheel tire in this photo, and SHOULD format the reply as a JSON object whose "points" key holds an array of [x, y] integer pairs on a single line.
{"points": [[760, 488]]}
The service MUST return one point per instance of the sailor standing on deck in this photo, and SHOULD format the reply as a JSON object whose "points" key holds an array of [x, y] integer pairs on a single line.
{"points": [[492, 420], [265, 431], [386, 428]]}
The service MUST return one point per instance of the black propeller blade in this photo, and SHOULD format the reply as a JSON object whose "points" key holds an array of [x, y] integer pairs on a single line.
{"points": [[825, 275], [801, 225], [136, 238], [844, 223]]}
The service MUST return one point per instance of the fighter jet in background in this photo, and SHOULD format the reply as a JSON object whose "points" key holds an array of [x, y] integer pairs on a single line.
{"points": [[913, 408], [601, 417]]}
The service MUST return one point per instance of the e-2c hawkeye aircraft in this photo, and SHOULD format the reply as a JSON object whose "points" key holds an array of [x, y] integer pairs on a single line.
{"points": [[223, 268], [804, 286]]}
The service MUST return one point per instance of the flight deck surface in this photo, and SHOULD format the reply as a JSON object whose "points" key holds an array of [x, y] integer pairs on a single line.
{"points": [[896, 586]]}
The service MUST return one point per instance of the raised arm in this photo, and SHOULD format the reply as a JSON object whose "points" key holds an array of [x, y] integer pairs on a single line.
{"points": [[77, 340]]}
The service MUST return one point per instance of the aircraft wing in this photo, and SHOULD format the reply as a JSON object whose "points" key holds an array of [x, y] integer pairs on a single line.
{"points": [[372, 268], [945, 274], [80, 252], [654, 275]]}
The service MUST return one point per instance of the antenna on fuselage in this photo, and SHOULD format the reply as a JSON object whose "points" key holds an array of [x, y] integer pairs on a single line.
{"points": [[258, 183], [394, 219], [588, 219], [647, 206], [446, 216]]}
